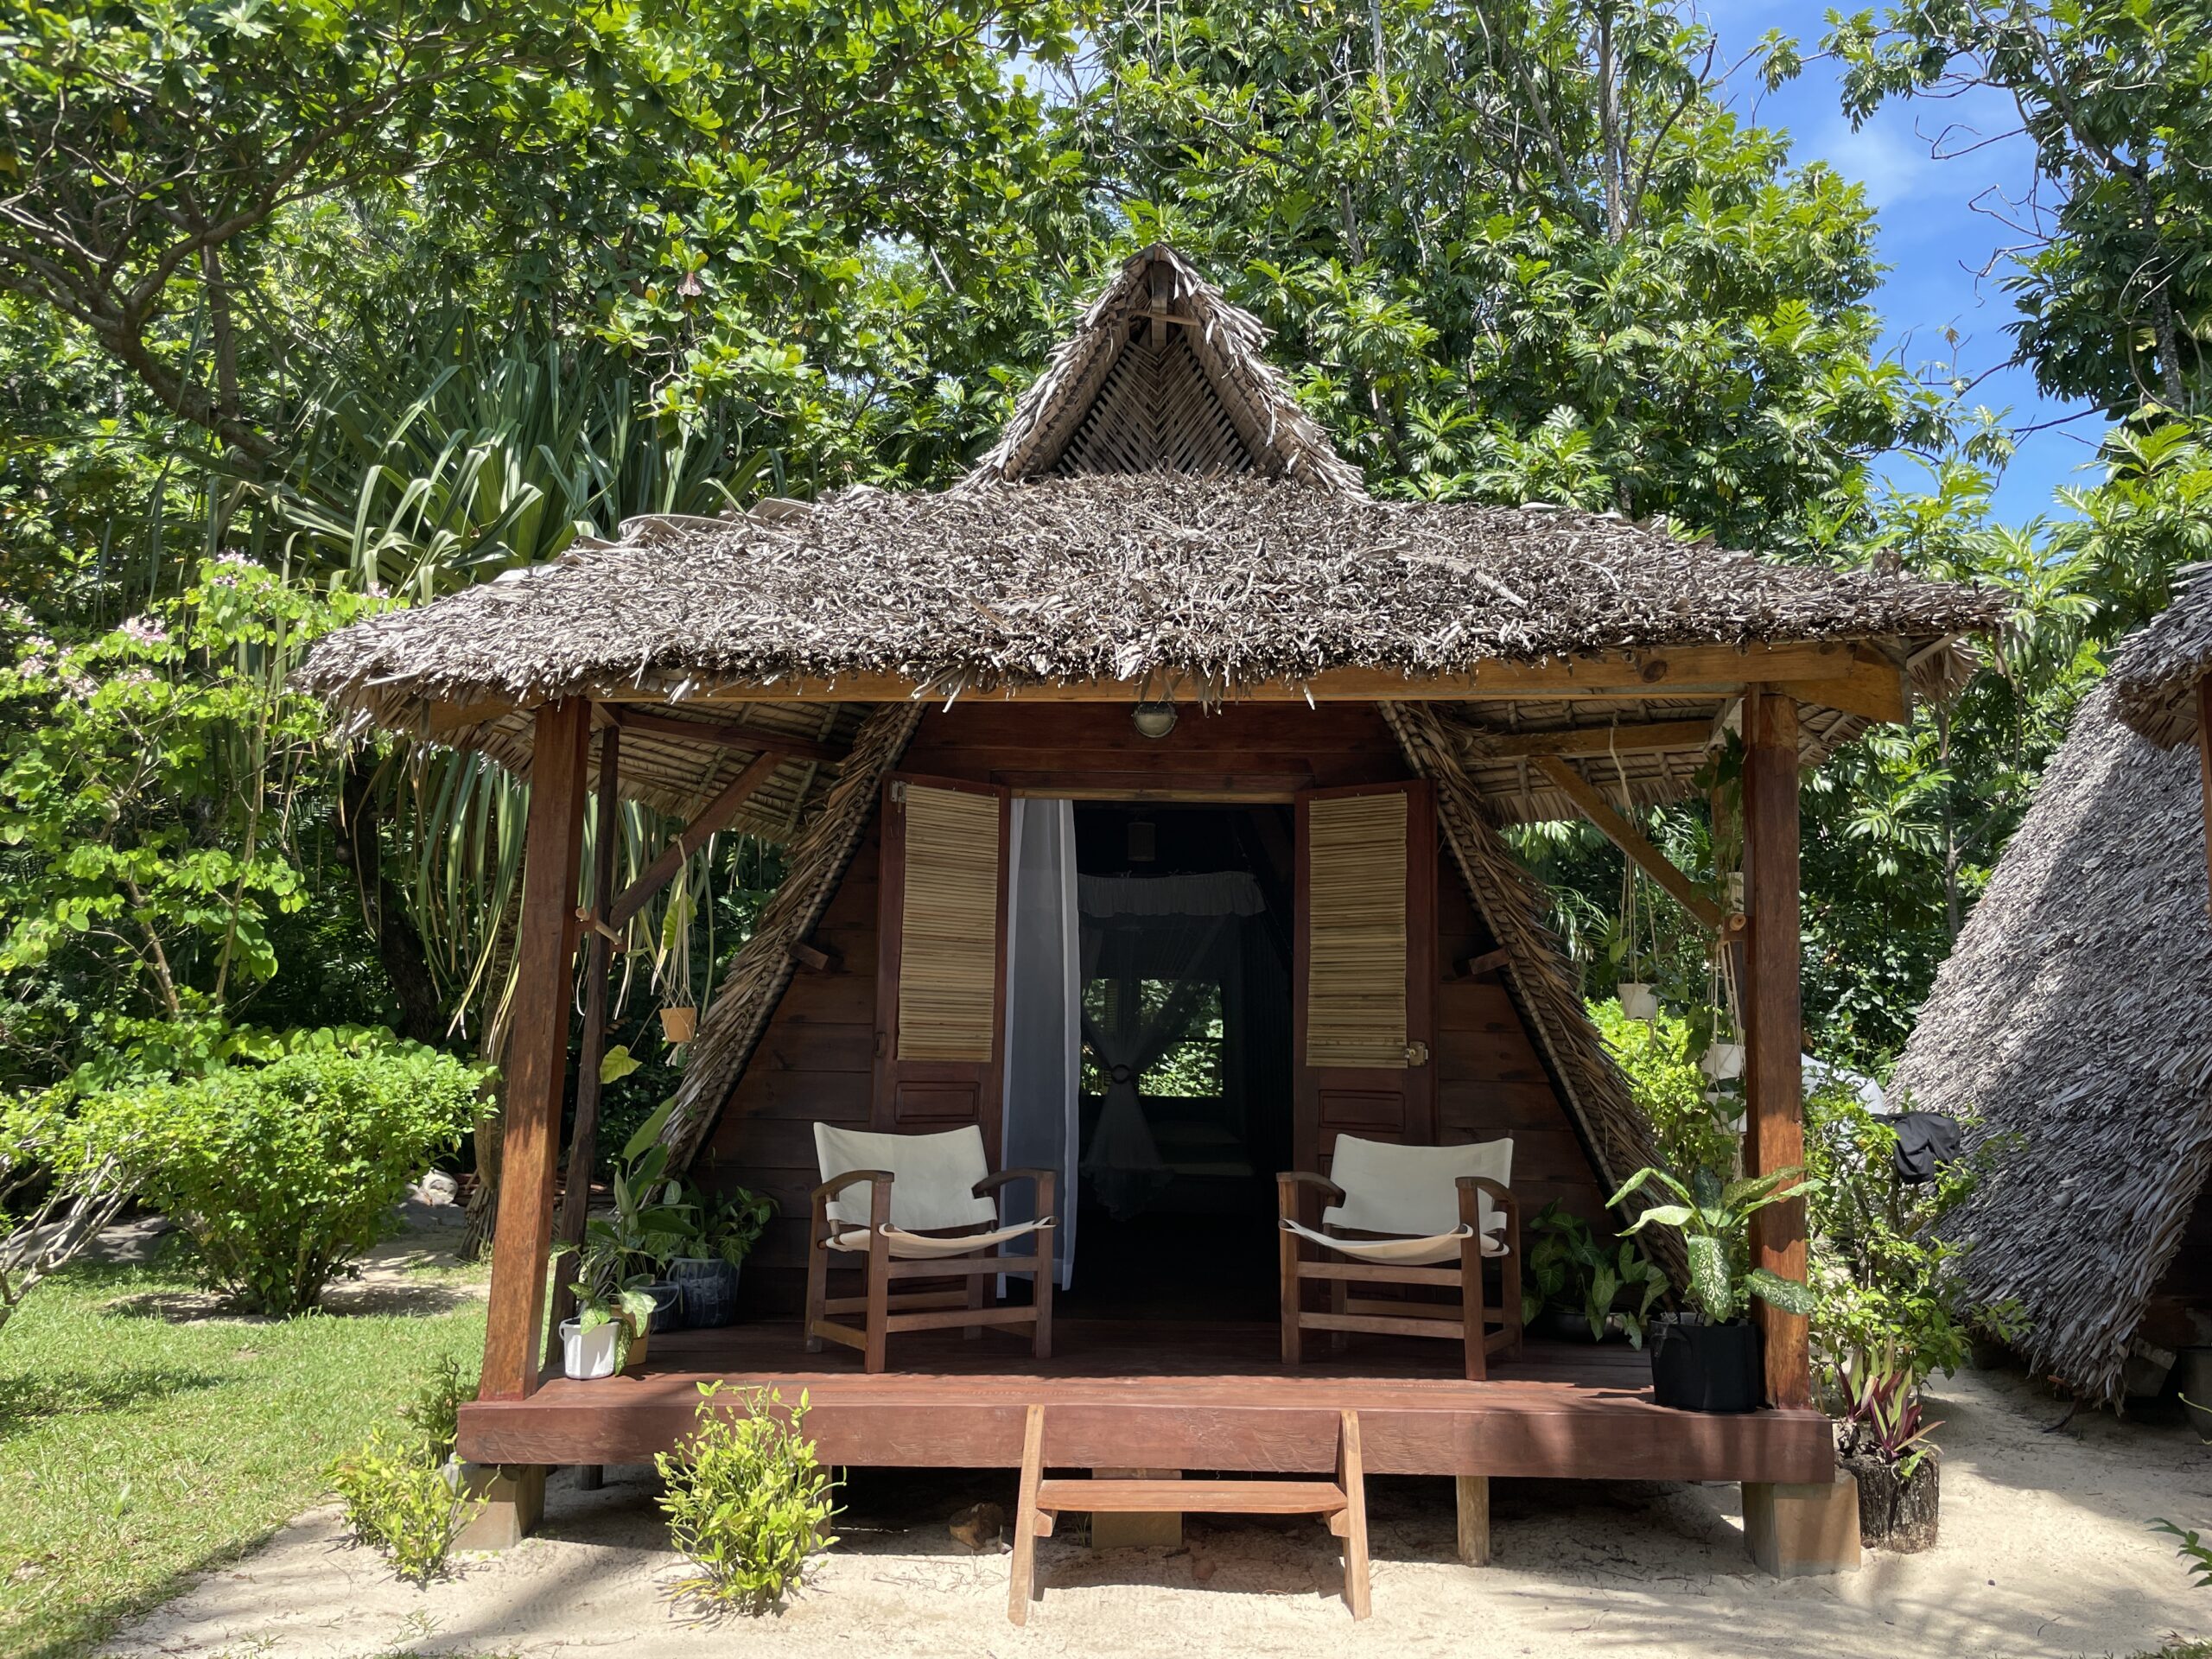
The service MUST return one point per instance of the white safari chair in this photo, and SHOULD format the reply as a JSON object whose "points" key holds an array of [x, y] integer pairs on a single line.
{"points": [[919, 1206], [1426, 1216]]}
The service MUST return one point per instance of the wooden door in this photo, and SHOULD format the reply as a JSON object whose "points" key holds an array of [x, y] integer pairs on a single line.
{"points": [[941, 964], [1363, 990]]}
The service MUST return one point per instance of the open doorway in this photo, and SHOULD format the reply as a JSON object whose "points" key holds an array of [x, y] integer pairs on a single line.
{"points": [[1186, 1096]]}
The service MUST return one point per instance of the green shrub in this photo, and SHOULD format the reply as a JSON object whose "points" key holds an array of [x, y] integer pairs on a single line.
{"points": [[282, 1175], [1888, 1282], [403, 1502], [1663, 1078], [746, 1502]]}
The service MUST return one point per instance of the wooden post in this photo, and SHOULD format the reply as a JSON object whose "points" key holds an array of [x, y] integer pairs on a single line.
{"points": [[537, 1050], [583, 1138], [1473, 1494], [2204, 761], [1774, 1022]]}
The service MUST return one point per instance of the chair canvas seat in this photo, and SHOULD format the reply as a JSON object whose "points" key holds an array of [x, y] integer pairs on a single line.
{"points": [[1413, 1191], [1399, 1252], [925, 1247], [936, 1177]]}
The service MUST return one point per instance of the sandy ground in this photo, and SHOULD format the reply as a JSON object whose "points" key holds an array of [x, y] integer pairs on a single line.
{"points": [[2045, 1551]]}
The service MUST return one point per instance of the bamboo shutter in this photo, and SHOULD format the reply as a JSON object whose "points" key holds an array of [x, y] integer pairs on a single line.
{"points": [[1355, 974], [948, 965]]}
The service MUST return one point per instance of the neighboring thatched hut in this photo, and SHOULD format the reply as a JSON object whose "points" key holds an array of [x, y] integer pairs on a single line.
{"points": [[2072, 1015]]}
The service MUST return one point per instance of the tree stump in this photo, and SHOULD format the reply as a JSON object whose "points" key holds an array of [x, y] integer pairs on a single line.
{"points": [[1894, 1513]]}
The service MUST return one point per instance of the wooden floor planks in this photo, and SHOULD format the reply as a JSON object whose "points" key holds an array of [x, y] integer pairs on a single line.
{"points": [[1125, 1394]]}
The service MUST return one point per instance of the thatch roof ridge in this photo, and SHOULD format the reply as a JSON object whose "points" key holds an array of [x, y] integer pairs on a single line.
{"points": [[1212, 583], [1284, 441], [2155, 675], [2069, 1015]]}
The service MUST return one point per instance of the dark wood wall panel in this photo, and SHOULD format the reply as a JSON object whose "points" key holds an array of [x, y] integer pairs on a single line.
{"points": [[1272, 748], [815, 1064], [1489, 1079]]}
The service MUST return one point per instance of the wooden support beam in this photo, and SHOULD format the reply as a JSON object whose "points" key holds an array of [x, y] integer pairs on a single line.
{"points": [[712, 817], [583, 1136], [2205, 762], [1872, 688], [631, 718], [1631, 841], [1687, 670], [1773, 1027], [1640, 737], [538, 1049], [1489, 961]]}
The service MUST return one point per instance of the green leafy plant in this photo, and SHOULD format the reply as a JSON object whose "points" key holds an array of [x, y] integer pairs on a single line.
{"points": [[1714, 1216], [725, 1224], [2192, 1549], [649, 1224], [282, 1175], [1657, 1058], [1567, 1267], [746, 1501], [401, 1490], [632, 1308], [1888, 1280], [61, 1209], [1882, 1418], [404, 1504]]}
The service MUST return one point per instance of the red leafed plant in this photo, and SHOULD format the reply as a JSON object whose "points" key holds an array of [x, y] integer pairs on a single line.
{"points": [[1884, 1420]]}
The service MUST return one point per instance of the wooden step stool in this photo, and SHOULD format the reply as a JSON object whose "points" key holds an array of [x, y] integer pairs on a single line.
{"points": [[1343, 1500]]}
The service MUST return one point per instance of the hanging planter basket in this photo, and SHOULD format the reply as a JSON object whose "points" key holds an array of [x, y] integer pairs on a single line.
{"points": [[1638, 1001], [679, 1025], [1723, 1061]]}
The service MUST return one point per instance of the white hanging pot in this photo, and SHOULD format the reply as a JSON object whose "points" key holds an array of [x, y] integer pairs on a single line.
{"points": [[588, 1355], [1638, 1001], [1723, 1061], [679, 1025]]}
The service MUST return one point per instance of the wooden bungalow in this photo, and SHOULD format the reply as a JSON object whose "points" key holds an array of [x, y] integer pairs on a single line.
{"points": [[1162, 621], [2069, 1019]]}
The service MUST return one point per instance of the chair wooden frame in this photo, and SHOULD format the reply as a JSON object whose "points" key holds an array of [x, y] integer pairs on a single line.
{"points": [[882, 1311], [1468, 1320]]}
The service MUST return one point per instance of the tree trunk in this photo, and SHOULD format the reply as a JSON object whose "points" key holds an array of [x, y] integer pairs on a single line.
{"points": [[384, 907]]}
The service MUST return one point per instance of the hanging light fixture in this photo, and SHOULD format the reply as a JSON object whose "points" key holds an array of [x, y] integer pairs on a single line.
{"points": [[1153, 720]]}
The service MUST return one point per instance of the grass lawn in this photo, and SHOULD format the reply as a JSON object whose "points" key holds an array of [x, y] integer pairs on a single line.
{"points": [[136, 1448]]}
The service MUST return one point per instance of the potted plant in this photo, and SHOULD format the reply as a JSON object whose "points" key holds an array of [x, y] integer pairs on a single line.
{"points": [[1638, 1001], [1575, 1289], [630, 1245], [1883, 1445], [1707, 1358], [607, 1335], [724, 1226]]}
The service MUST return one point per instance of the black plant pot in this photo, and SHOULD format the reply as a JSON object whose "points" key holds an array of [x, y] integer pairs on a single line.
{"points": [[710, 1291], [1706, 1367], [668, 1306]]}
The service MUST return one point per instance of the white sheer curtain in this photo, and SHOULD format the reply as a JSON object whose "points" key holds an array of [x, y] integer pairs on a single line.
{"points": [[1044, 1031]]}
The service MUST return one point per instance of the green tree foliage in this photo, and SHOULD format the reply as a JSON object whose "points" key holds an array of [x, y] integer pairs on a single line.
{"points": [[1523, 251], [159, 785], [2116, 96]]}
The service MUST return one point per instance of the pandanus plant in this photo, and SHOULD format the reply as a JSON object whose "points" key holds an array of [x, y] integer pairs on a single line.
{"points": [[1713, 1218]]}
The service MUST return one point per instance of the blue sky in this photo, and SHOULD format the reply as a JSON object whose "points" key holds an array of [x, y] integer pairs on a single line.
{"points": [[1930, 234]]}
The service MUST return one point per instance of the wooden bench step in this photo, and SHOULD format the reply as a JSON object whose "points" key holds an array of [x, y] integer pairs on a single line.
{"points": [[1343, 1500], [1191, 1497]]}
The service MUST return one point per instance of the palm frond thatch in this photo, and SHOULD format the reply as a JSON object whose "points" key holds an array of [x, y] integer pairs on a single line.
{"points": [[2155, 676], [2069, 1018]]}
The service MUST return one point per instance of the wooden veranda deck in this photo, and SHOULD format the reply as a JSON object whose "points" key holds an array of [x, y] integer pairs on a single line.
{"points": [[1168, 1395]]}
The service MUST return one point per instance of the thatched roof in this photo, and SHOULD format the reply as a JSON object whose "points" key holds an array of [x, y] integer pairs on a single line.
{"points": [[1158, 513], [1163, 373], [2154, 678], [2071, 1015]]}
